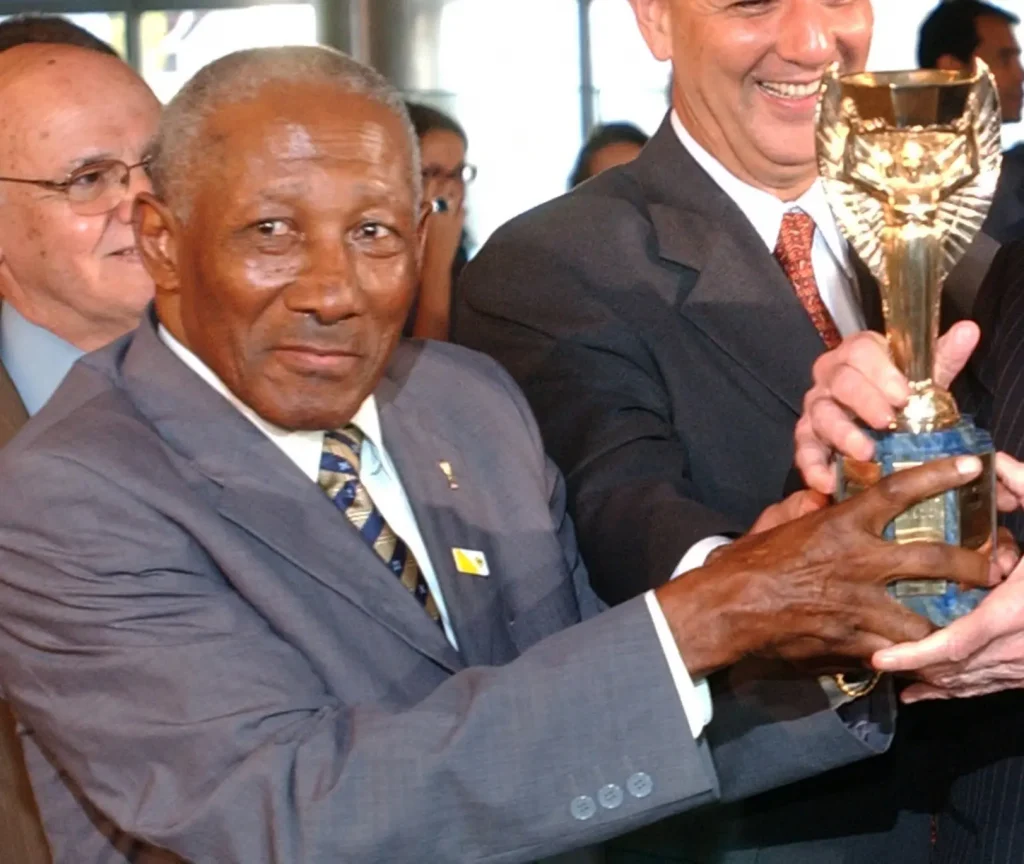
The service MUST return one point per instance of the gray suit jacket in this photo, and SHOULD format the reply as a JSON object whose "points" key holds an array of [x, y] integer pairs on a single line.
{"points": [[12, 413], [209, 658], [21, 836]]}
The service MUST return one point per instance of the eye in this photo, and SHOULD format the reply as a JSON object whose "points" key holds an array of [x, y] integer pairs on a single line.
{"points": [[377, 240], [87, 178], [272, 228], [373, 231], [273, 236]]}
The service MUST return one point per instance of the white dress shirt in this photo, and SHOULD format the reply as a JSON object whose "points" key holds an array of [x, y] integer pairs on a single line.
{"points": [[380, 478]]}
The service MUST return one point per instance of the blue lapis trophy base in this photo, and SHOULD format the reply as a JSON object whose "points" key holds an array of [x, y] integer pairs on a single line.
{"points": [[961, 517]]}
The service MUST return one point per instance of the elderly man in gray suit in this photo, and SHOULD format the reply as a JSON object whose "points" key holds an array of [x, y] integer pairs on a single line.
{"points": [[278, 589]]}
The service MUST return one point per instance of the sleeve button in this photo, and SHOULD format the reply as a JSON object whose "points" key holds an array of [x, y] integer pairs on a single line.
{"points": [[640, 785], [610, 796], [583, 808]]}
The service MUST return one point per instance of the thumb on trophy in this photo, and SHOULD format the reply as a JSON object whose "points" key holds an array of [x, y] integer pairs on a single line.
{"points": [[953, 350]]}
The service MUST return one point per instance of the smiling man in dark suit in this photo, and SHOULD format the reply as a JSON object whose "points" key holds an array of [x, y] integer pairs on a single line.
{"points": [[280, 589], [663, 320]]}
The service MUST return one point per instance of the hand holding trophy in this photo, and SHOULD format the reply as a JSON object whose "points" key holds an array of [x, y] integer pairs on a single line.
{"points": [[910, 161]]}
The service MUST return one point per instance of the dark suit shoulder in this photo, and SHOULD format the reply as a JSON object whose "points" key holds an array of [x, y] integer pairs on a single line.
{"points": [[573, 265]]}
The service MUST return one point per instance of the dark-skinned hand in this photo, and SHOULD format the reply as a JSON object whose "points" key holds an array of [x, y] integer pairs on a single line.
{"points": [[815, 587]]}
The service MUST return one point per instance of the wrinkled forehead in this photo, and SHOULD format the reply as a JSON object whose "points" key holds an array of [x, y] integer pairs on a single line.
{"points": [[279, 138], [63, 105]]}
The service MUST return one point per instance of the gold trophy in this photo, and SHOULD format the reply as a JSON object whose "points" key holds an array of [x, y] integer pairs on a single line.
{"points": [[909, 161]]}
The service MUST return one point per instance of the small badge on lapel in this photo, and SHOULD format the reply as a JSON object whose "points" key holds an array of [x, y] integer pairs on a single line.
{"points": [[471, 561], [446, 469]]}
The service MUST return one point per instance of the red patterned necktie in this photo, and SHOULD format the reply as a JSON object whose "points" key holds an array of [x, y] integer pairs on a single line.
{"points": [[793, 251]]}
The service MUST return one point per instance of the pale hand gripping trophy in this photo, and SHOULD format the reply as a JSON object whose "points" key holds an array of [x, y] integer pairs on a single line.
{"points": [[910, 161]]}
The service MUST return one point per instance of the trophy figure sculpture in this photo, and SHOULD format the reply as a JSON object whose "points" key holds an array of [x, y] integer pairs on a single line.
{"points": [[909, 161]]}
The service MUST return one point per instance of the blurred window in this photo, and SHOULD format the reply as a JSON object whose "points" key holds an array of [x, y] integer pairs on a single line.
{"points": [[629, 84], [175, 45], [509, 71]]}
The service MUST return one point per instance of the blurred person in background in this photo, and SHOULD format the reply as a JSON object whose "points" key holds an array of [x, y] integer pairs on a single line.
{"points": [[75, 118], [951, 37], [443, 146], [609, 144]]}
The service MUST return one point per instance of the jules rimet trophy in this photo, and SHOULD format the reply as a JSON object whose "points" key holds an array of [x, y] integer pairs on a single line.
{"points": [[910, 161]]}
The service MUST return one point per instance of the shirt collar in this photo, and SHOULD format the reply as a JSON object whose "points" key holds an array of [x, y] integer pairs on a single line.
{"points": [[303, 447], [36, 359], [762, 209]]}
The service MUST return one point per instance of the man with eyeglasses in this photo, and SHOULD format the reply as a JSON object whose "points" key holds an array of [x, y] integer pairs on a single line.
{"points": [[74, 134], [74, 129]]}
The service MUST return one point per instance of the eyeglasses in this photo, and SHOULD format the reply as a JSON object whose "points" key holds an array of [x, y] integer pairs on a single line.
{"points": [[93, 189], [462, 174]]}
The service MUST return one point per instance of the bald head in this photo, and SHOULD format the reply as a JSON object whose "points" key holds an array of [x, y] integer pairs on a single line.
{"points": [[49, 91], [188, 130], [67, 108]]}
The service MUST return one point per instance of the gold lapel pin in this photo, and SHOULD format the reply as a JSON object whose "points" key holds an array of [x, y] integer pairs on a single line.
{"points": [[446, 469]]}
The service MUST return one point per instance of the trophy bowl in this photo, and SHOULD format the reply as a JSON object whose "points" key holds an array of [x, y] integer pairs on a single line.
{"points": [[909, 163]]}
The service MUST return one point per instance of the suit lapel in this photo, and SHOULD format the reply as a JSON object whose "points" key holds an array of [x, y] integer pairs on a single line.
{"points": [[293, 517], [12, 412], [264, 493], [448, 518], [741, 296]]}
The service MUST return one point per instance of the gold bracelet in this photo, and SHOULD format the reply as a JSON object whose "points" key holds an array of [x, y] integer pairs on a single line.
{"points": [[862, 688]]}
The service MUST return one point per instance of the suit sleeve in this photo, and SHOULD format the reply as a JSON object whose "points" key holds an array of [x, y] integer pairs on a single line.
{"points": [[177, 710], [601, 403]]}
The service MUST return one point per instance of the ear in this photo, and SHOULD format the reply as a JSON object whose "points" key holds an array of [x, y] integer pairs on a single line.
{"points": [[949, 63], [156, 237], [426, 210], [654, 17]]}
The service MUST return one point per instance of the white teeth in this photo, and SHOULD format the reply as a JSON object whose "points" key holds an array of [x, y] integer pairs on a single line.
{"points": [[791, 91]]}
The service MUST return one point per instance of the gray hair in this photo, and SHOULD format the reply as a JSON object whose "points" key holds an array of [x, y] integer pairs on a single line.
{"points": [[239, 77]]}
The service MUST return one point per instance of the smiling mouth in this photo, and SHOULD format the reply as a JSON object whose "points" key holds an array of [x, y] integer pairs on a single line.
{"points": [[791, 91]]}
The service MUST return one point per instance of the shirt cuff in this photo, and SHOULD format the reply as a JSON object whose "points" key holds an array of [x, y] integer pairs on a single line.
{"points": [[698, 553], [695, 696]]}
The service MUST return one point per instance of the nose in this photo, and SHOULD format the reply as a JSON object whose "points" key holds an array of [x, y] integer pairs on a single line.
{"points": [[805, 35], [327, 287], [138, 181]]}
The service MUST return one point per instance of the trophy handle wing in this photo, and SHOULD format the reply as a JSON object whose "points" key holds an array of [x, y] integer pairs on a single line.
{"points": [[849, 203], [963, 212]]}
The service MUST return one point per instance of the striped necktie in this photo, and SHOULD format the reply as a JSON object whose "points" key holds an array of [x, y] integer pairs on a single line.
{"points": [[339, 478], [793, 252]]}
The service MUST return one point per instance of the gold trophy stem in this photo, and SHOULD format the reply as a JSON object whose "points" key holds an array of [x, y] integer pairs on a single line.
{"points": [[911, 298]]}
